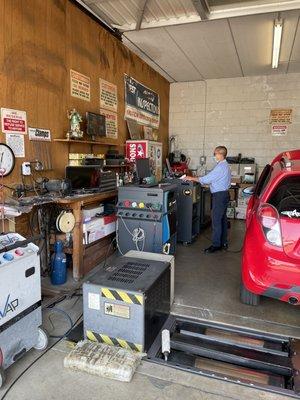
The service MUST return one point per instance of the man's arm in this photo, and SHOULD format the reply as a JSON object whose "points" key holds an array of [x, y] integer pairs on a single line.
{"points": [[213, 175]]}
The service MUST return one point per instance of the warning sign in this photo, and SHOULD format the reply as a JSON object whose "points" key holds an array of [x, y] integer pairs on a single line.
{"points": [[281, 116], [111, 120], [279, 130], [108, 96], [80, 85], [13, 121], [117, 310]]}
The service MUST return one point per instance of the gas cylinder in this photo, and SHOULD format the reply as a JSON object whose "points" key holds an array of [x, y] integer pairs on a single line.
{"points": [[58, 265]]}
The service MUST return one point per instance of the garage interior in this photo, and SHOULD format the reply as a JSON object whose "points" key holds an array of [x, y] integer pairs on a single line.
{"points": [[90, 172]]}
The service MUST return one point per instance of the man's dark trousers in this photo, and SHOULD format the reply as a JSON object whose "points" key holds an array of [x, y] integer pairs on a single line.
{"points": [[220, 202]]}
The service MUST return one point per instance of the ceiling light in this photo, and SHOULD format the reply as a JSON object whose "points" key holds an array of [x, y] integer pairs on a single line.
{"points": [[276, 42]]}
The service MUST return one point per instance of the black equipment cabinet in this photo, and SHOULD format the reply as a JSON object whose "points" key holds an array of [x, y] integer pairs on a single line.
{"points": [[194, 207]]}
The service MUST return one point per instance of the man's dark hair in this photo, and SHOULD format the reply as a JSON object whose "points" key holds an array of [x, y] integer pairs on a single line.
{"points": [[222, 150]]}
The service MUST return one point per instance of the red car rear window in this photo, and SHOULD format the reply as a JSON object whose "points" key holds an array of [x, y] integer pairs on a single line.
{"points": [[286, 197]]}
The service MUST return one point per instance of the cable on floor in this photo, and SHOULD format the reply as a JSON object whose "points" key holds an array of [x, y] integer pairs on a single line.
{"points": [[38, 358], [66, 315]]}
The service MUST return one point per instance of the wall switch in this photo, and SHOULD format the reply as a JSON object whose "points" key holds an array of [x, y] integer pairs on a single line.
{"points": [[26, 169]]}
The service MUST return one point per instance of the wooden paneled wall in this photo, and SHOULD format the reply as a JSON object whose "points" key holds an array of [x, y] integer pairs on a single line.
{"points": [[40, 41]]}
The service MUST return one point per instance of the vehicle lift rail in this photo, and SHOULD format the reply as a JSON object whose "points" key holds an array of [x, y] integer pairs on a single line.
{"points": [[243, 356]]}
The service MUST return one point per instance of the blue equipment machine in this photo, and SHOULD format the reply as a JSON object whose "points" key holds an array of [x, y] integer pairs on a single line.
{"points": [[147, 218]]}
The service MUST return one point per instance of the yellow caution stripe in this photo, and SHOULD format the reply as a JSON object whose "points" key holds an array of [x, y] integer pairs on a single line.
{"points": [[120, 295], [99, 337]]}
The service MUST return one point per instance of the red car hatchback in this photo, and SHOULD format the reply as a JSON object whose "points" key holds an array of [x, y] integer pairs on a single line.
{"points": [[271, 251]]}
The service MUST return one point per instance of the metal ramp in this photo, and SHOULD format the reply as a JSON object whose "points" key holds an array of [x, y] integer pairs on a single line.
{"points": [[238, 355]]}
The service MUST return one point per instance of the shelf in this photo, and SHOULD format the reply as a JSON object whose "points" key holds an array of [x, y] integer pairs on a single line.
{"points": [[116, 166], [92, 142]]}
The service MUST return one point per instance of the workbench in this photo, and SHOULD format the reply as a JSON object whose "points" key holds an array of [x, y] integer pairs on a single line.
{"points": [[85, 257], [95, 251]]}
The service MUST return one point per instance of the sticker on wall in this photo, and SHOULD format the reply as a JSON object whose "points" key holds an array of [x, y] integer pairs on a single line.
{"points": [[16, 142], [39, 134], [111, 120], [279, 130], [80, 85], [281, 116], [108, 95], [13, 121]]}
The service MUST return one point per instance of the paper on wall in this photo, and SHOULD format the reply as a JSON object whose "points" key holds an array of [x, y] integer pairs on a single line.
{"points": [[16, 142]]}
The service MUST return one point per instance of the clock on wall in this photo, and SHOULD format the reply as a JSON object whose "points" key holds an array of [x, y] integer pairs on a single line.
{"points": [[7, 160]]}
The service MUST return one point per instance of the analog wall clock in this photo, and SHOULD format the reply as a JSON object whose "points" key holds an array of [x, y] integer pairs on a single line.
{"points": [[7, 160]]}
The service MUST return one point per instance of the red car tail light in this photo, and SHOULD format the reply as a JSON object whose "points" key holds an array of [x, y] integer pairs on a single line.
{"points": [[269, 219]]}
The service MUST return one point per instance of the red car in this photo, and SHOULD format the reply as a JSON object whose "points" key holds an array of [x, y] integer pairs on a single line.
{"points": [[271, 251]]}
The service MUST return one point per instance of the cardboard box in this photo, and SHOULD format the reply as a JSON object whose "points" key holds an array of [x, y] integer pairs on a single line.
{"points": [[232, 194], [97, 223], [230, 212], [235, 169], [243, 202], [236, 179], [247, 169], [99, 233], [240, 212]]}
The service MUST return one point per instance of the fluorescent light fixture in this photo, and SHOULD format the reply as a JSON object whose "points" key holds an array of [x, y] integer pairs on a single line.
{"points": [[276, 42]]}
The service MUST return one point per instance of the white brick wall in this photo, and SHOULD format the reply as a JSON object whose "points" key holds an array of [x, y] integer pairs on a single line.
{"points": [[237, 115]]}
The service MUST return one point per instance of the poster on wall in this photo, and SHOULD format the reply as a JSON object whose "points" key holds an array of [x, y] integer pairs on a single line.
{"points": [[279, 130], [39, 134], [108, 95], [111, 120], [136, 149], [141, 103], [16, 142], [80, 85], [13, 121], [281, 116]]}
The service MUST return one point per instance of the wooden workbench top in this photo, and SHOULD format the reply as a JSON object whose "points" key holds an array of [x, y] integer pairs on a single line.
{"points": [[87, 198]]}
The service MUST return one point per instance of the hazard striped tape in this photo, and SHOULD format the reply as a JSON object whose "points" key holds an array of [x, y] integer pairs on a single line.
{"points": [[120, 295], [98, 337]]}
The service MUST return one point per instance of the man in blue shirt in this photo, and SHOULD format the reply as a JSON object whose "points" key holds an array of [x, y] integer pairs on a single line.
{"points": [[219, 180]]}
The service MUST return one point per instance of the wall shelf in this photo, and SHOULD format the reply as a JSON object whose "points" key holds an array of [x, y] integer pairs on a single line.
{"points": [[91, 142]]}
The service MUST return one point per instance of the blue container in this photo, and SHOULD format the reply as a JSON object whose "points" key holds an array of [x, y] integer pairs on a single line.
{"points": [[58, 265]]}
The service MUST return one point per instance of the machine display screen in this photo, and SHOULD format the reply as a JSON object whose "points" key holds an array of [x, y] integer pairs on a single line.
{"points": [[84, 177]]}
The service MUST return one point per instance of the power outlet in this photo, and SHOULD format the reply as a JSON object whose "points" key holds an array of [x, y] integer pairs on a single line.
{"points": [[26, 168]]}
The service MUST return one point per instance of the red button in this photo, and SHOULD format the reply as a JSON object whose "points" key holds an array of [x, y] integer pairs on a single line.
{"points": [[19, 252], [127, 203]]}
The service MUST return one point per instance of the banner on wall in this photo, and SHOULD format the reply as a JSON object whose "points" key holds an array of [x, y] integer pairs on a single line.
{"points": [[13, 121], [80, 85], [141, 103], [108, 95]]}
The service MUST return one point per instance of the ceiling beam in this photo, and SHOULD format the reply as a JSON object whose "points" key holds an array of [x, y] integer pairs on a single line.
{"points": [[141, 13], [218, 12], [202, 8]]}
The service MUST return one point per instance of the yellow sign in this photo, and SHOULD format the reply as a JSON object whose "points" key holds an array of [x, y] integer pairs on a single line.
{"points": [[281, 116]]}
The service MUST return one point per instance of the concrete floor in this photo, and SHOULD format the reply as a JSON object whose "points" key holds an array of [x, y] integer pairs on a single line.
{"points": [[207, 287]]}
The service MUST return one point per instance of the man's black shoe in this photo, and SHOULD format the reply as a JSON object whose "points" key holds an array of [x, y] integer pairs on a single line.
{"points": [[225, 246], [212, 249]]}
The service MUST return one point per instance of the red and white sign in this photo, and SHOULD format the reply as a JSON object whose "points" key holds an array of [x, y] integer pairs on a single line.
{"points": [[135, 150], [279, 130], [80, 85], [13, 121], [111, 121]]}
